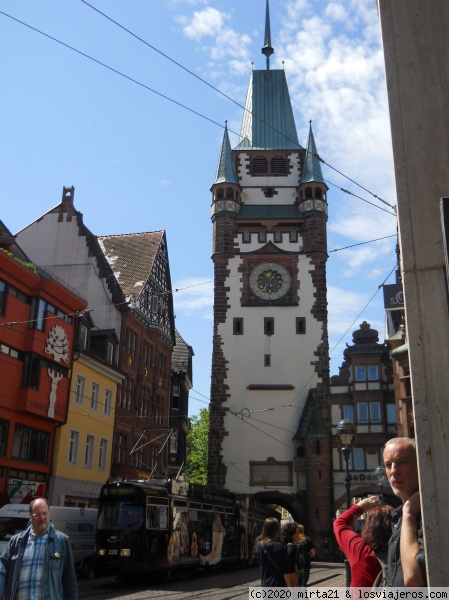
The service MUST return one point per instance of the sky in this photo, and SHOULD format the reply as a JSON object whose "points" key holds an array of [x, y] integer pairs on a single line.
{"points": [[127, 100]]}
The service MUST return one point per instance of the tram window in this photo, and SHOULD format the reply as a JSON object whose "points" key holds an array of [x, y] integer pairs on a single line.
{"points": [[230, 511], [207, 507], [123, 515], [157, 513], [195, 505]]}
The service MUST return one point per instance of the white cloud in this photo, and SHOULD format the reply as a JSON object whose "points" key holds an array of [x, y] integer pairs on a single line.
{"points": [[165, 183], [195, 297], [205, 23]]}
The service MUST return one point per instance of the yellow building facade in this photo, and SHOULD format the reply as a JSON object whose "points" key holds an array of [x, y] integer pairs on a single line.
{"points": [[83, 446]]}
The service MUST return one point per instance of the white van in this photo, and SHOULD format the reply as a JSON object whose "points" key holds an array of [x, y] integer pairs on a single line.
{"points": [[79, 524]]}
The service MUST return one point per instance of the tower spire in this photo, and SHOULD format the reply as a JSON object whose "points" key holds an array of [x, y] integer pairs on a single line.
{"points": [[267, 49]]}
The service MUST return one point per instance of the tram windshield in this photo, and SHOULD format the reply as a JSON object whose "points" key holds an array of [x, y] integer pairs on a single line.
{"points": [[120, 515]]}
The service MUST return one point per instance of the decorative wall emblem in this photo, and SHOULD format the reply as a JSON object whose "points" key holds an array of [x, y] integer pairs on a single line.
{"points": [[57, 345]]}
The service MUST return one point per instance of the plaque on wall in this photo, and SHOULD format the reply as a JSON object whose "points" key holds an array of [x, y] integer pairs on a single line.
{"points": [[271, 472]]}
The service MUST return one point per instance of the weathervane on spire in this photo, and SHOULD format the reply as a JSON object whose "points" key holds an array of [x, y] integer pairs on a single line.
{"points": [[267, 49]]}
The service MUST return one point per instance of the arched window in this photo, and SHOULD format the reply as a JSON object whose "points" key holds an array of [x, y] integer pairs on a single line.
{"points": [[229, 193], [278, 165], [220, 193], [318, 192], [309, 192], [260, 166]]}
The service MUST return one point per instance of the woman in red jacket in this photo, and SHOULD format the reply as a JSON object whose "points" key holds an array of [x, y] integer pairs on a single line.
{"points": [[367, 552]]}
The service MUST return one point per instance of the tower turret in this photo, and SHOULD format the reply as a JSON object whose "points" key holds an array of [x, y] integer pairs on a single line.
{"points": [[312, 188]]}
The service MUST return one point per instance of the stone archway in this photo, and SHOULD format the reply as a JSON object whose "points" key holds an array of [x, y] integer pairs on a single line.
{"points": [[289, 501]]}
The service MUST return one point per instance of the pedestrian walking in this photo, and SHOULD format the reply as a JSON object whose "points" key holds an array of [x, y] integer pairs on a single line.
{"points": [[272, 553], [308, 553], [290, 536], [38, 563]]}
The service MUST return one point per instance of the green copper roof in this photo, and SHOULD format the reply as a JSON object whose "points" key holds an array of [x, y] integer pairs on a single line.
{"points": [[312, 166], [225, 169], [269, 211], [268, 122]]}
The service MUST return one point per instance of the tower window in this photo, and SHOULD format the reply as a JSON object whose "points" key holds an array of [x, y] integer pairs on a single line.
{"points": [[220, 193], [300, 324], [237, 326], [260, 166], [268, 325], [267, 360], [318, 192], [262, 237], [309, 192], [278, 165], [246, 237], [278, 236], [229, 193], [293, 236]]}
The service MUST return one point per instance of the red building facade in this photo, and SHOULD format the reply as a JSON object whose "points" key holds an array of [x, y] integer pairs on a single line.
{"points": [[37, 329]]}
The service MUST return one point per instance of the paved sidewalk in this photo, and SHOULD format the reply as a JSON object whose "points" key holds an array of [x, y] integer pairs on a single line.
{"points": [[327, 574]]}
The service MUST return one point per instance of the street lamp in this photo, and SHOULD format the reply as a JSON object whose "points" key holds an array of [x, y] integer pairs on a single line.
{"points": [[345, 440], [382, 479]]}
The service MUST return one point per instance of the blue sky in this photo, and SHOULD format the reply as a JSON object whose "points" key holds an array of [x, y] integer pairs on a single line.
{"points": [[142, 163]]}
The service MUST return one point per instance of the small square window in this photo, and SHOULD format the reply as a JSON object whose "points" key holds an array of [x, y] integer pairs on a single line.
{"points": [[293, 237], [278, 237], [246, 237], [262, 237], [267, 360]]}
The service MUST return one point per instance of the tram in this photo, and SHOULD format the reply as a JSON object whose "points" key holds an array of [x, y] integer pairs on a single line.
{"points": [[165, 525]]}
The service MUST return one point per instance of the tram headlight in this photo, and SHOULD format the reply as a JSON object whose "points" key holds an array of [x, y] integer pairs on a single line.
{"points": [[125, 552], [101, 552]]}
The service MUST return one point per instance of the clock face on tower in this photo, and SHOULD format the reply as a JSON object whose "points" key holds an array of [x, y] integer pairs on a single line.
{"points": [[269, 281]]}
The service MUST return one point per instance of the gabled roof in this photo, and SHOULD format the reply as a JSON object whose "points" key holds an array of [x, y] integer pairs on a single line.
{"points": [[131, 257], [312, 166], [8, 242], [182, 355], [268, 122], [226, 169]]}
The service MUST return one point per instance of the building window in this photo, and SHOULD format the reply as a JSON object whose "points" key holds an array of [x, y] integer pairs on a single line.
{"points": [[110, 353], [262, 237], [374, 412], [348, 412], [102, 454], [391, 414], [300, 325], [30, 444], [82, 337], [107, 409], [237, 326], [89, 451], [360, 373], [79, 389], [4, 427], [359, 459], [176, 396], [73, 447], [246, 237], [278, 237], [94, 392], [293, 237], [267, 360], [362, 412], [131, 342], [3, 294], [278, 165], [268, 325], [260, 166], [31, 369], [373, 374]]}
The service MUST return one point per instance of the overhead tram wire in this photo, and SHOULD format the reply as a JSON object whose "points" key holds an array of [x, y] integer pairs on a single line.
{"points": [[180, 104], [177, 290], [190, 72]]}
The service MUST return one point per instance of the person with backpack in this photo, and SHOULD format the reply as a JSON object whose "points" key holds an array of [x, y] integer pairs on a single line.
{"points": [[295, 557], [308, 552]]}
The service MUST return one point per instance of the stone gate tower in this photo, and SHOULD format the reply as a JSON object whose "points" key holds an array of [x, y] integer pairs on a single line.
{"points": [[270, 422]]}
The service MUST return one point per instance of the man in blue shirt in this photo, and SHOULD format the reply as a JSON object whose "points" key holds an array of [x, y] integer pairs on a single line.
{"points": [[37, 564]]}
